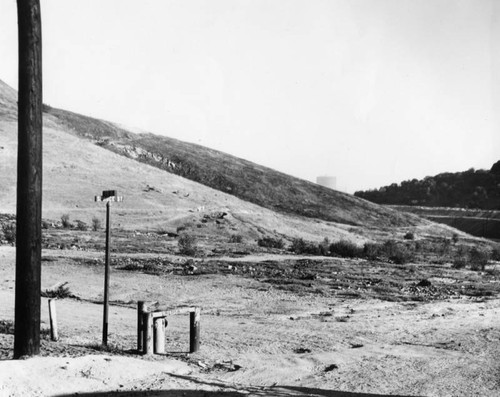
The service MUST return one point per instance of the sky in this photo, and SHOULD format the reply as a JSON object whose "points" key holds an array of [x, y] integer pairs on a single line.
{"points": [[369, 91]]}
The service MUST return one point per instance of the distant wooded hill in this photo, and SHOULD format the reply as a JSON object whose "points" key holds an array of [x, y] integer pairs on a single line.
{"points": [[479, 189]]}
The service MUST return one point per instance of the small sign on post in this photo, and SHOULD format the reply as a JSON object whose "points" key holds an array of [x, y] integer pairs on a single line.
{"points": [[108, 196]]}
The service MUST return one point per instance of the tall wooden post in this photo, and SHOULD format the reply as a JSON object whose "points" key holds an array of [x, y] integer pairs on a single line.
{"points": [[29, 181], [54, 334], [147, 334], [140, 311], [106, 280], [194, 330]]}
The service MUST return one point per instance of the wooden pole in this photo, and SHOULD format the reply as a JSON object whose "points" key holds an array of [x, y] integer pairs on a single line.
{"points": [[159, 335], [147, 322], [29, 181], [140, 311], [194, 330], [106, 280], [54, 334]]}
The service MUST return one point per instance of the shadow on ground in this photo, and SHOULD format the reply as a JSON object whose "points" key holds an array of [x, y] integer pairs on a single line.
{"points": [[230, 391], [282, 391]]}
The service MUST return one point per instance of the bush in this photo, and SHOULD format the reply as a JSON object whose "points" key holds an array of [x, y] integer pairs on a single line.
{"points": [[445, 246], [61, 292], [346, 249], [271, 242], [324, 247], [460, 262], [9, 233], [96, 224], [409, 236], [300, 246], [390, 248], [401, 255], [80, 225], [478, 259], [495, 254], [454, 238], [397, 253], [461, 258], [181, 228], [372, 251], [65, 221], [236, 238], [187, 244]]}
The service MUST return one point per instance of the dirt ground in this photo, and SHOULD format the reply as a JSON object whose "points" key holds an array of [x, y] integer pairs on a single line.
{"points": [[378, 333]]}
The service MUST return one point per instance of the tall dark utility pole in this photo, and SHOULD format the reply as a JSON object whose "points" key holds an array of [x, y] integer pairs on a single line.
{"points": [[29, 181]]}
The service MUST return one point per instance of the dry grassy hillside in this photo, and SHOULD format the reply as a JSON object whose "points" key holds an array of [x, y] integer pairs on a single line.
{"points": [[241, 178], [76, 169]]}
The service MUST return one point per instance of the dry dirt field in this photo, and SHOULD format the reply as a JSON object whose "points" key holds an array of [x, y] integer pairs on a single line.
{"points": [[271, 325]]}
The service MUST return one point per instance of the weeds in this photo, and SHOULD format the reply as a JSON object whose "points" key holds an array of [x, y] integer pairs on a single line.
{"points": [[409, 236], [236, 238], [60, 293], [187, 245], [372, 251], [6, 327], [9, 233], [271, 242], [324, 247], [96, 224], [80, 225], [478, 259], [65, 221], [473, 258], [346, 249], [459, 263], [495, 254], [300, 246], [401, 255]]}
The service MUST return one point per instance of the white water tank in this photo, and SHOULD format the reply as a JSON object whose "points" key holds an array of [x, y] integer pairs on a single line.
{"points": [[327, 181]]}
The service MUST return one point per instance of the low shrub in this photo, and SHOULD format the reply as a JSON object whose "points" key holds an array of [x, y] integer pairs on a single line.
{"points": [[324, 247], [346, 249], [61, 292], [236, 238], [495, 254], [478, 259], [397, 253], [65, 221], [444, 247], [181, 228], [300, 246], [401, 255], [6, 327], [459, 263], [389, 248], [409, 236], [372, 251], [271, 242], [187, 245], [80, 225], [96, 223], [9, 233]]}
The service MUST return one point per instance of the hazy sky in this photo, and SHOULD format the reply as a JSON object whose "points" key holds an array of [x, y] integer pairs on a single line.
{"points": [[370, 91]]}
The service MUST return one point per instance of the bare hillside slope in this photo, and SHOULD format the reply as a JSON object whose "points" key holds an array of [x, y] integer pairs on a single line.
{"points": [[241, 178], [76, 169]]}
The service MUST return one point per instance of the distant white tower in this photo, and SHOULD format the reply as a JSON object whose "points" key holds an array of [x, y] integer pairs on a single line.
{"points": [[327, 181]]}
